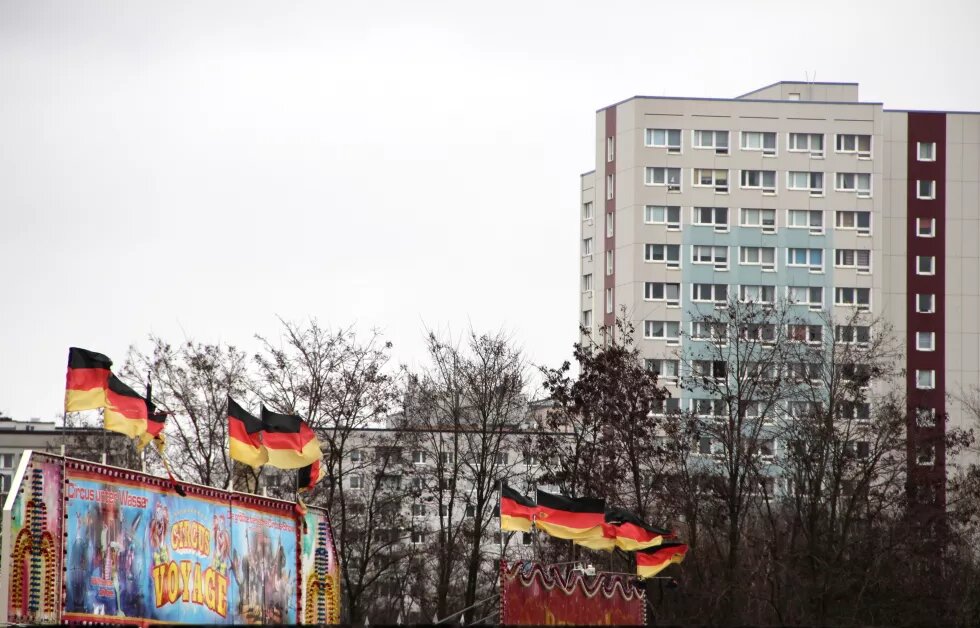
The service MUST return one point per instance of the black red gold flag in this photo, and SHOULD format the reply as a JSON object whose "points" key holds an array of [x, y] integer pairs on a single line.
{"points": [[87, 380], [516, 510], [631, 533], [154, 423], [650, 562], [572, 518], [289, 441], [125, 410], [309, 475], [245, 436]]}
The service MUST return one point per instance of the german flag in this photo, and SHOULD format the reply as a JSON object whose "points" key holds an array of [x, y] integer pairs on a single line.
{"points": [[650, 562], [308, 476], [125, 410], [245, 437], [87, 380], [631, 533], [570, 518], [290, 442], [154, 430], [516, 510]]}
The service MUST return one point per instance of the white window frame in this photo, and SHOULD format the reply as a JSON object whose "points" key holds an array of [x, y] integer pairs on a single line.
{"points": [[814, 268], [587, 210], [932, 151], [658, 364], [718, 226], [587, 282], [610, 187], [925, 379], [930, 345], [650, 139], [930, 223], [648, 211], [745, 251], [743, 222], [931, 259], [713, 289], [587, 247], [356, 455], [810, 187], [763, 290], [766, 152], [862, 154], [716, 332], [587, 319], [650, 249], [791, 214], [669, 177], [918, 303], [840, 183], [854, 292], [854, 253], [418, 456], [794, 147], [610, 262], [699, 135], [849, 335], [792, 297], [647, 289], [719, 262], [649, 325], [930, 194], [356, 482], [610, 224], [720, 185], [610, 149], [744, 174], [862, 231], [610, 301]]}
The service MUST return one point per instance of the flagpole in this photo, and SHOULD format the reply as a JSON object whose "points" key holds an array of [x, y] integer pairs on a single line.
{"points": [[104, 433]]}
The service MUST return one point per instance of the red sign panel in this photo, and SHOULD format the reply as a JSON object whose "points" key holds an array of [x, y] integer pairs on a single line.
{"points": [[531, 594]]}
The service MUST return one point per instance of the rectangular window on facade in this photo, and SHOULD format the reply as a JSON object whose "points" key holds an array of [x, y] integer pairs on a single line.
{"points": [[861, 221], [586, 247], [925, 227], [703, 330], [418, 510], [811, 219], [662, 215], [706, 254], [662, 330], [860, 144], [925, 417], [765, 218], [587, 319], [660, 291], [925, 303], [805, 333], [587, 210], [664, 138], [610, 304], [356, 455], [355, 481], [610, 260], [925, 379], [665, 369], [861, 297], [807, 143], [418, 456], [764, 333], [587, 283], [610, 187], [853, 334], [811, 258], [610, 148], [925, 340], [610, 224], [926, 151], [854, 182], [764, 180], [667, 177], [710, 178], [925, 190], [709, 292], [669, 254], [717, 140], [853, 258], [925, 265], [757, 294], [805, 295], [713, 369], [716, 217], [811, 182], [764, 256], [764, 141]]}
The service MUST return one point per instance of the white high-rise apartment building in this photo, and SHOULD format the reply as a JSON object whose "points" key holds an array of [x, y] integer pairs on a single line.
{"points": [[793, 190]]}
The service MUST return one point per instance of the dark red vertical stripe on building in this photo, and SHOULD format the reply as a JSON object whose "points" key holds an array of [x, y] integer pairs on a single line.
{"points": [[926, 480], [609, 319]]}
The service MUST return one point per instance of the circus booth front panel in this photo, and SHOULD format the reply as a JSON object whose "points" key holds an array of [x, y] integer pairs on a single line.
{"points": [[532, 594]]}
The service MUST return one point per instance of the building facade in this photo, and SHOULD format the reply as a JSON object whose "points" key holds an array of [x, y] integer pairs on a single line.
{"points": [[795, 191]]}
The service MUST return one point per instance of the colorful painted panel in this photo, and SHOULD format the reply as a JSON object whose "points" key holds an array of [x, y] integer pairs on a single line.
{"points": [[34, 583], [320, 591], [536, 595]]}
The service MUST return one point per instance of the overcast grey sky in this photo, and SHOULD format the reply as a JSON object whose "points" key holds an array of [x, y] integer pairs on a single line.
{"points": [[195, 169]]}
